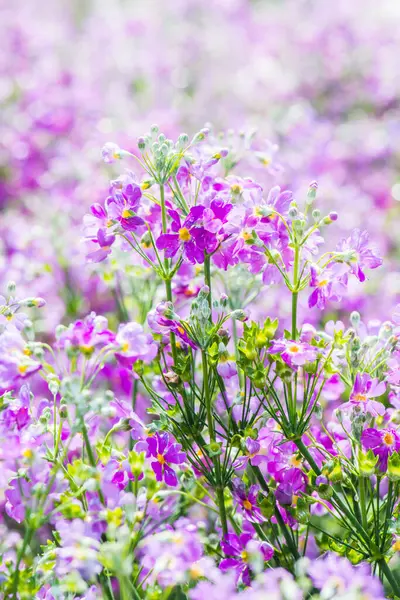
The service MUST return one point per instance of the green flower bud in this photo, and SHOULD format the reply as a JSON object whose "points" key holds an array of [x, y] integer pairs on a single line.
{"points": [[393, 470], [366, 463]]}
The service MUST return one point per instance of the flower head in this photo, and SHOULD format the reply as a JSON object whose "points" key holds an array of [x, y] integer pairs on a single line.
{"points": [[382, 442], [166, 453]]}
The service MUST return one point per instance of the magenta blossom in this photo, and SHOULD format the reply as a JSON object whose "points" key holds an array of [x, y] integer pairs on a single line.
{"points": [[292, 484], [135, 345], [382, 443], [364, 390], [87, 334], [160, 447], [239, 548], [328, 285], [356, 252], [100, 246], [190, 237], [247, 501], [294, 353], [16, 414]]}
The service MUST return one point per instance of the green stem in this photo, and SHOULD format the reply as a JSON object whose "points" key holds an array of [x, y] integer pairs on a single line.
{"points": [[394, 584], [168, 290], [211, 431], [91, 457], [27, 538], [207, 279], [364, 520], [295, 291]]}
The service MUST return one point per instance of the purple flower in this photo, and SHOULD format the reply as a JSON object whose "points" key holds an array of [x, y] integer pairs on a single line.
{"points": [[256, 453], [15, 359], [16, 415], [335, 576], [226, 367], [355, 252], [239, 548], [382, 442], [160, 447], [100, 247], [293, 353], [111, 152], [327, 285], [364, 390], [16, 498], [87, 334], [189, 237], [292, 483], [247, 500], [135, 345], [164, 320]]}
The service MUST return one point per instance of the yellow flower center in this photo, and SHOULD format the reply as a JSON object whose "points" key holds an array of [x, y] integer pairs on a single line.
{"points": [[396, 545], [245, 556], [126, 213], [236, 188], [246, 235], [181, 330], [125, 347], [247, 505], [360, 398], [160, 459], [388, 439], [27, 352], [86, 349], [295, 461], [184, 234], [22, 369], [293, 348], [257, 211], [195, 572], [27, 453], [323, 283]]}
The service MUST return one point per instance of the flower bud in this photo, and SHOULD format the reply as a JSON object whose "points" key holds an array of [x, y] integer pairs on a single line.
{"points": [[11, 287], [239, 315], [393, 470], [316, 213], [141, 143], [355, 318], [33, 302], [171, 378], [312, 192]]}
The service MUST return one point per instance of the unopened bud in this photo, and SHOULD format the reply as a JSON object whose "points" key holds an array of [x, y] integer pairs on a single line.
{"points": [[171, 378], [312, 192], [11, 287]]}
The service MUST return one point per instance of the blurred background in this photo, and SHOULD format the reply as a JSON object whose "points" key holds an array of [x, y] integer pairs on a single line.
{"points": [[317, 80]]}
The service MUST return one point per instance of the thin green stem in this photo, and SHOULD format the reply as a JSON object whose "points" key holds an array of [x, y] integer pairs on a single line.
{"points": [[27, 538], [295, 291], [91, 457], [363, 505], [211, 431], [207, 279], [394, 584]]}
